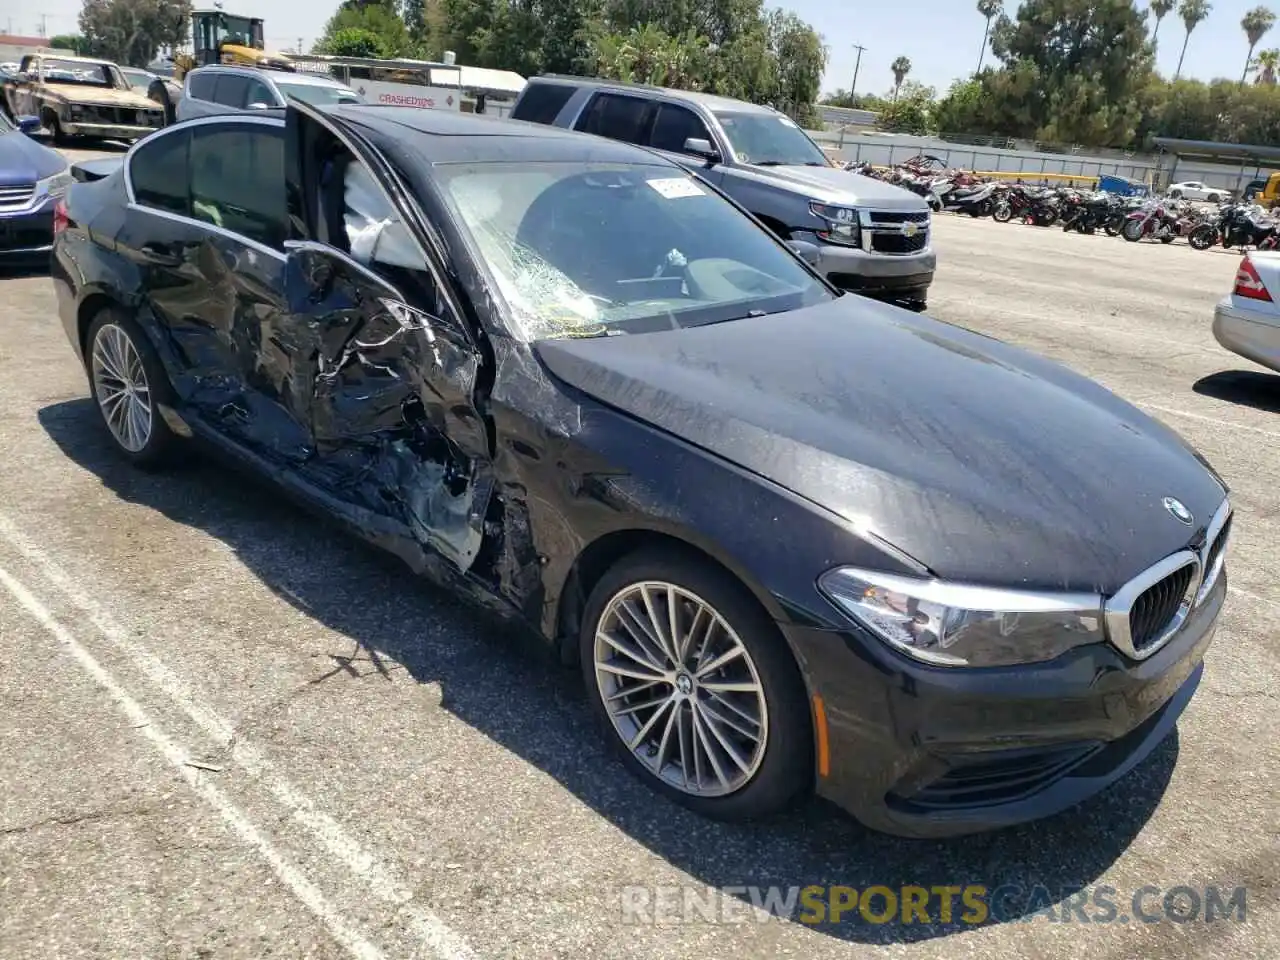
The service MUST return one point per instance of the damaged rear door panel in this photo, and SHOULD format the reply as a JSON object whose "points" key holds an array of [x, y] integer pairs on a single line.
{"points": [[379, 365]]}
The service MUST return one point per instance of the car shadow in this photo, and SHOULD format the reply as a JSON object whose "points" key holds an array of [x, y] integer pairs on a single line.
{"points": [[1249, 388], [497, 684], [21, 268]]}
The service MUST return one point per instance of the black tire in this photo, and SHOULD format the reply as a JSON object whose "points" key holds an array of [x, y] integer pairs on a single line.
{"points": [[1214, 198], [161, 442], [54, 126], [915, 306], [1168, 238], [1201, 238], [1002, 213], [1175, 194], [159, 93], [1112, 229], [785, 769], [1132, 235]]}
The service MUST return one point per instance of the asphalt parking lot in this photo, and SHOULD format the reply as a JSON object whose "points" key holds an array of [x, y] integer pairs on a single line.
{"points": [[230, 732]]}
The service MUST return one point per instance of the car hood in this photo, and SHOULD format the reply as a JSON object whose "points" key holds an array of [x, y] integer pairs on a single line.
{"points": [[22, 160], [832, 185], [985, 463], [79, 93]]}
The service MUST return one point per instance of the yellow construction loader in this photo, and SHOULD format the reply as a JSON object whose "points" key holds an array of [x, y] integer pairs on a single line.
{"points": [[217, 37]]}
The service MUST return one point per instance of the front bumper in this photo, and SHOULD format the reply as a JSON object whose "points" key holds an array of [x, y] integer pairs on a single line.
{"points": [[887, 276], [1249, 333], [107, 131], [27, 232], [923, 751]]}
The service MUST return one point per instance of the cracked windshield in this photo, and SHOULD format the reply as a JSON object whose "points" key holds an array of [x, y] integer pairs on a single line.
{"points": [[551, 236]]}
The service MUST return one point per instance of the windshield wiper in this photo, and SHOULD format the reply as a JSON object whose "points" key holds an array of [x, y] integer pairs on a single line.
{"points": [[770, 163]]}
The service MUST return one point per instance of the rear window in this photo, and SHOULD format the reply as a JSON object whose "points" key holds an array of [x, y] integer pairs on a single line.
{"points": [[617, 117], [542, 102]]}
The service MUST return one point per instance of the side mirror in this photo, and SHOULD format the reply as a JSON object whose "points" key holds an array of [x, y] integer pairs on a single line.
{"points": [[806, 251], [259, 105], [700, 147], [29, 124]]}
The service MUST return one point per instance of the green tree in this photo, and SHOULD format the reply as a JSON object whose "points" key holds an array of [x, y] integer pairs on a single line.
{"points": [[1071, 71], [988, 9], [900, 68], [131, 31], [801, 61], [1193, 13], [70, 41], [1160, 9], [366, 26], [965, 108], [1268, 61], [355, 42], [1256, 23], [910, 111]]}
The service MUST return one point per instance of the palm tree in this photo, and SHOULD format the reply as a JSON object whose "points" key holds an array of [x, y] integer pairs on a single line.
{"points": [[1255, 25], [990, 9], [1268, 61], [1160, 9], [900, 67], [1193, 13]]}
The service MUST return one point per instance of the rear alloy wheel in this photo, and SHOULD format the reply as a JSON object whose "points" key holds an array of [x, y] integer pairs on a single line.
{"points": [[1132, 230], [1202, 238], [128, 383], [702, 697]]}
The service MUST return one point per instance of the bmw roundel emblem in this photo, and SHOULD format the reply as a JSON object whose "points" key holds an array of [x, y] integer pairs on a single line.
{"points": [[1178, 510]]}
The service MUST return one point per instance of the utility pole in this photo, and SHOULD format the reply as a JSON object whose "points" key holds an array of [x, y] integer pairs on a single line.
{"points": [[856, 66], [43, 29], [299, 47]]}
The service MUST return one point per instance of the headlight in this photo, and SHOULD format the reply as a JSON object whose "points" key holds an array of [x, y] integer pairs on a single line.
{"points": [[55, 186], [957, 625], [842, 223]]}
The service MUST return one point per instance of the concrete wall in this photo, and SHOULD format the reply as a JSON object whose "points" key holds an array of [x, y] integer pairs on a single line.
{"points": [[890, 149]]}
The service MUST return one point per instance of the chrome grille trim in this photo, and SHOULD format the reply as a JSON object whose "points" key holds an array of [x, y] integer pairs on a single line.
{"points": [[1213, 555], [17, 197], [891, 223], [1118, 608]]}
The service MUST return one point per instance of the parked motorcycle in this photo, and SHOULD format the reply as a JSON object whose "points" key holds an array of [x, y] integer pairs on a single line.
{"points": [[1090, 213], [976, 201], [1154, 220], [1027, 204], [1243, 225]]}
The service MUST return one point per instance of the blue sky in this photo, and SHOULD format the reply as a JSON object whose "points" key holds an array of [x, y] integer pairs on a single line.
{"points": [[941, 37]]}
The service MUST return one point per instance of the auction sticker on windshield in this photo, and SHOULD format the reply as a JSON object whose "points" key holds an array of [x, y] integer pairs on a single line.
{"points": [[675, 187]]}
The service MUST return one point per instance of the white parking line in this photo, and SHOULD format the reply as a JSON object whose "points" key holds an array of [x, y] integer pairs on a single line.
{"points": [[439, 939], [1214, 420], [292, 878]]}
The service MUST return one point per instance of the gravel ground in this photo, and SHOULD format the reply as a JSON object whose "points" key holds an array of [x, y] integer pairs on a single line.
{"points": [[380, 772]]}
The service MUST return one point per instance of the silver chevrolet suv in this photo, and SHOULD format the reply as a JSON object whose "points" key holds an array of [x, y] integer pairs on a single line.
{"points": [[872, 238]]}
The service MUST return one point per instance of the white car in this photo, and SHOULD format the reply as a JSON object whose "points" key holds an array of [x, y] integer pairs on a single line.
{"points": [[1247, 320], [1195, 190]]}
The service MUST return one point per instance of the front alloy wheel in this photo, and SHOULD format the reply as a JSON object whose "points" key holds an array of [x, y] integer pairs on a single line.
{"points": [[698, 691], [680, 689]]}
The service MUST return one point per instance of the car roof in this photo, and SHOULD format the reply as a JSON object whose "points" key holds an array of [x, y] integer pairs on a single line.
{"points": [[49, 55], [280, 76], [447, 136], [710, 101]]}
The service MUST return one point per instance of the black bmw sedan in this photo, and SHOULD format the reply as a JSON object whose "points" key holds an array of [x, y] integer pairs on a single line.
{"points": [[797, 540]]}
